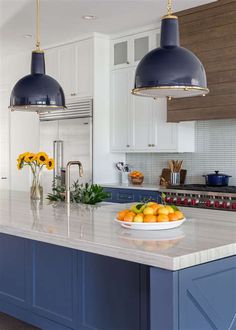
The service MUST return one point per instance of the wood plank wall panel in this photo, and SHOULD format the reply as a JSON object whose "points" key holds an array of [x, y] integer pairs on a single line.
{"points": [[210, 32]]}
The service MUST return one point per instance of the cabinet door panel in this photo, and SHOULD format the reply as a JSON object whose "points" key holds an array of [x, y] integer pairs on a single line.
{"points": [[84, 69], [53, 282], [52, 63], [141, 47], [165, 134], [142, 122], [120, 109], [13, 279], [68, 69], [120, 52]]}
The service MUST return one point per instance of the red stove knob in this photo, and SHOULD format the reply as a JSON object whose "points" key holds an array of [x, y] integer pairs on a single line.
{"points": [[225, 205], [171, 200], [218, 204], [208, 203], [178, 201], [194, 202], [167, 199], [234, 206], [186, 201]]}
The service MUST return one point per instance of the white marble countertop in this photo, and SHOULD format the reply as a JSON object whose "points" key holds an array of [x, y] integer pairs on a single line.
{"points": [[144, 186], [207, 235]]}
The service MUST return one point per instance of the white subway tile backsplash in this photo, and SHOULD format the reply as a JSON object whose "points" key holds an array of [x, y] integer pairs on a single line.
{"points": [[215, 150]]}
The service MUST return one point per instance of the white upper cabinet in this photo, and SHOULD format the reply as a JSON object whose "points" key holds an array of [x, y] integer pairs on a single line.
{"points": [[67, 70], [52, 63], [121, 111], [139, 124], [72, 66], [130, 50]]}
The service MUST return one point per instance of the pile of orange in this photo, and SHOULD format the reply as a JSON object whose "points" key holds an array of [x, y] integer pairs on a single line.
{"points": [[136, 174], [150, 212]]}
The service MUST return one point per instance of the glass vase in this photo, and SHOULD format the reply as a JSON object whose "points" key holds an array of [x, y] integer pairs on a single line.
{"points": [[36, 190]]}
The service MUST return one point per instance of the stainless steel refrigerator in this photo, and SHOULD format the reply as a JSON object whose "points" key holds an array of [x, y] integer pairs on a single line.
{"points": [[67, 135]]}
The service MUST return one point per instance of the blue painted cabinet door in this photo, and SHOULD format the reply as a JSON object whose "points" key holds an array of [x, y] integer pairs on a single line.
{"points": [[54, 282], [13, 270], [207, 296], [113, 294]]}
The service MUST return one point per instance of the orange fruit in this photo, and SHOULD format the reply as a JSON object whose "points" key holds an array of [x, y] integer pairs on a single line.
{"points": [[169, 208], [129, 216], [163, 210], [155, 208], [179, 214], [148, 210], [139, 217], [173, 217], [162, 218], [149, 218], [121, 214]]}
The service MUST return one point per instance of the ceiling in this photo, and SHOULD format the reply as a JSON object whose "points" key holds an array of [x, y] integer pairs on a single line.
{"points": [[61, 20]]}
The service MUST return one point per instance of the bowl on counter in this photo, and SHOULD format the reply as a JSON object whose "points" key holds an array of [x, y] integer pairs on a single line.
{"points": [[137, 181]]}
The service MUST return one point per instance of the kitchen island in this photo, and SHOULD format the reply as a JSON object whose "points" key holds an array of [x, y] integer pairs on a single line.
{"points": [[73, 267]]}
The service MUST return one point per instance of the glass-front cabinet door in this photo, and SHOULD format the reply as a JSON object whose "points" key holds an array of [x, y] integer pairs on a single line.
{"points": [[121, 53], [141, 47]]}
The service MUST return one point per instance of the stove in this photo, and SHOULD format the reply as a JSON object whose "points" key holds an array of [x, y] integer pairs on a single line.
{"points": [[202, 196]]}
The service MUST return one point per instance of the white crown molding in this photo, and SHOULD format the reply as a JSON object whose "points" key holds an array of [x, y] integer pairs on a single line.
{"points": [[138, 30]]}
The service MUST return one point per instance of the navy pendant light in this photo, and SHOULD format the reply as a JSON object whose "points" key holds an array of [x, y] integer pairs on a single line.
{"points": [[37, 91], [171, 70]]}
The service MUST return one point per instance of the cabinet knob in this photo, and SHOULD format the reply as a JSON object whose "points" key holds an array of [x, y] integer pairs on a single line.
{"points": [[149, 145], [127, 62], [72, 94], [153, 145], [127, 145]]}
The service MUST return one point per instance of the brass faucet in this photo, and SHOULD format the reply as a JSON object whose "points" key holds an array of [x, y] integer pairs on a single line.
{"points": [[68, 166]]}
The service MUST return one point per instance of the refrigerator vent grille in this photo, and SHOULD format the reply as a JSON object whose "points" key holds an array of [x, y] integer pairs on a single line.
{"points": [[76, 109]]}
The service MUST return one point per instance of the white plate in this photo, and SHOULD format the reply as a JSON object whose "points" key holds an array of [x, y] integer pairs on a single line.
{"points": [[151, 226]]}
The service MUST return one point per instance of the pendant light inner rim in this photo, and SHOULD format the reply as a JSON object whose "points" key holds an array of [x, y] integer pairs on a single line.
{"points": [[136, 91]]}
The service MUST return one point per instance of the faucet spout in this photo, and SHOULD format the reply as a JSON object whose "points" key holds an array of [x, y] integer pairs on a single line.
{"points": [[68, 167]]}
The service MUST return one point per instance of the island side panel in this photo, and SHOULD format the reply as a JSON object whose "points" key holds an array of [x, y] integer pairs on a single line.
{"points": [[207, 296], [164, 312]]}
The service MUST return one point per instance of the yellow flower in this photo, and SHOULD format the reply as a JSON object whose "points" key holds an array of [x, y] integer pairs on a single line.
{"points": [[19, 164], [50, 164], [30, 157], [42, 158]]}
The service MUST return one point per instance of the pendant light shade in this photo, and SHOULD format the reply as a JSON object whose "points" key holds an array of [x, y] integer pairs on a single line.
{"points": [[171, 70], [37, 91]]}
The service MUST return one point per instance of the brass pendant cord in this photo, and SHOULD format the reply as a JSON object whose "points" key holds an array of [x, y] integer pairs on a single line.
{"points": [[169, 8], [38, 26]]}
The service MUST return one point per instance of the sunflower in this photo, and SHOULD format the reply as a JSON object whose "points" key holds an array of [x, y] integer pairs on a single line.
{"points": [[30, 157], [42, 158], [50, 164], [19, 164]]}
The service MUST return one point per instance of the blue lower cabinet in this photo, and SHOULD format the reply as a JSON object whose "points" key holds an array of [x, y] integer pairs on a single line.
{"points": [[54, 282], [13, 269], [113, 294], [57, 288], [123, 195]]}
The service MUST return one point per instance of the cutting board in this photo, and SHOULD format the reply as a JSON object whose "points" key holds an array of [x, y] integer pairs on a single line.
{"points": [[166, 175]]}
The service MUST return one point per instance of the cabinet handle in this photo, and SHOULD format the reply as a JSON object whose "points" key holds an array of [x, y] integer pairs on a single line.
{"points": [[4, 178], [72, 94]]}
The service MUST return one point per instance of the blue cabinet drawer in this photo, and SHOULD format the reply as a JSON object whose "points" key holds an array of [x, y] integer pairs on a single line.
{"points": [[123, 195]]}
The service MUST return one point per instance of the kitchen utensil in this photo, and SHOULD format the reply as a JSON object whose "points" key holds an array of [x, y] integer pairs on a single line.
{"points": [[174, 178], [165, 176], [217, 179], [124, 177]]}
